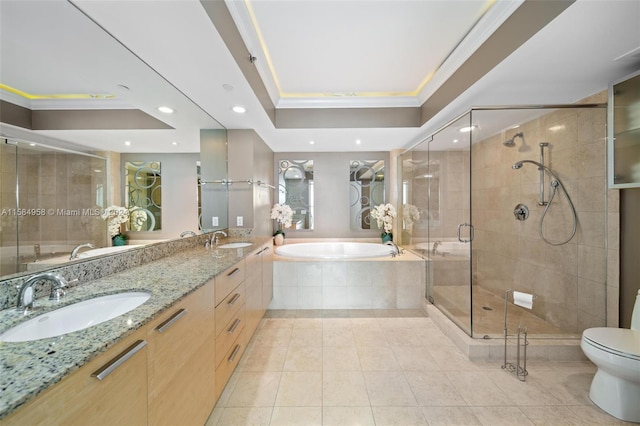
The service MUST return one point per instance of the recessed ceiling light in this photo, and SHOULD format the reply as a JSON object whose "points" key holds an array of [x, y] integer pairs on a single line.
{"points": [[165, 109], [227, 87], [97, 171], [358, 141], [311, 142], [174, 143], [239, 109], [32, 144], [467, 129], [455, 141], [127, 143]]}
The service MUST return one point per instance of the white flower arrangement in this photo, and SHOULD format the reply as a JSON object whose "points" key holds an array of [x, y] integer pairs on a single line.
{"points": [[410, 215], [283, 214], [115, 216], [384, 215]]}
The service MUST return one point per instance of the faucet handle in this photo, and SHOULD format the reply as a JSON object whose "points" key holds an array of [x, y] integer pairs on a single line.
{"points": [[56, 294]]}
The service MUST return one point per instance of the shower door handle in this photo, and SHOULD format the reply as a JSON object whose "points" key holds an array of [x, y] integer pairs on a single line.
{"points": [[467, 225]]}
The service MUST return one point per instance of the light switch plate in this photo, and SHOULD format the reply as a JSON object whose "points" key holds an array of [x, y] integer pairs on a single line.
{"points": [[214, 221], [239, 221]]}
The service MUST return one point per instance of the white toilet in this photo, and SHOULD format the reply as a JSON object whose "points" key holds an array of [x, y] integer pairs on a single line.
{"points": [[616, 353]]}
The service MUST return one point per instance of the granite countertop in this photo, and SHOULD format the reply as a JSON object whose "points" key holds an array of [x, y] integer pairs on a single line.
{"points": [[31, 367]]}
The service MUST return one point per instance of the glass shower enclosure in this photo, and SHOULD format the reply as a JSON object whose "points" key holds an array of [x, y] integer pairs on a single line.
{"points": [[512, 199], [50, 201]]}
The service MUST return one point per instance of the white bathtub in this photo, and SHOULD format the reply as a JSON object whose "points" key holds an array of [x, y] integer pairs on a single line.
{"points": [[455, 248], [334, 250]]}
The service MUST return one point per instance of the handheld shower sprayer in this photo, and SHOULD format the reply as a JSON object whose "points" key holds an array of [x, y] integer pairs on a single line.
{"points": [[555, 184]]}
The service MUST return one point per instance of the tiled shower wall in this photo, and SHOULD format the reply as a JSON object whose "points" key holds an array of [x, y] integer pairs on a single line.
{"points": [[64, 190], [570, 280]]}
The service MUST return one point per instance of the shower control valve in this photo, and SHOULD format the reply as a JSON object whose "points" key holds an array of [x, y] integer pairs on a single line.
{"points": [[521, 212]]}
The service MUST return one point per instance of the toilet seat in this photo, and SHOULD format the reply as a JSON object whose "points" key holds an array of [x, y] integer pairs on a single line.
{"points": [[618, 341]]}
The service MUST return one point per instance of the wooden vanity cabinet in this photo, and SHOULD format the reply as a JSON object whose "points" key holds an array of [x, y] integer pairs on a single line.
{"points": [[181, 361], [109, 390], [231, 322]]}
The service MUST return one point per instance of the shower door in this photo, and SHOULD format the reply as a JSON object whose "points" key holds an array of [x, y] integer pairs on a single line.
{"points": [[450, 229]]}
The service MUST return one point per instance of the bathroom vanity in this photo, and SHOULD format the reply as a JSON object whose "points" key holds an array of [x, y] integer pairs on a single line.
{"points": [[165, 362]]}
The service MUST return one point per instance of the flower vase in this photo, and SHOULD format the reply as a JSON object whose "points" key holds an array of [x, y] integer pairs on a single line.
{"points": [[278, 238], [119, 240], [386, 236]]}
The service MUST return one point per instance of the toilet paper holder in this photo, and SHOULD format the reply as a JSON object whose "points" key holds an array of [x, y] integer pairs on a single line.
{"points": [[519, 369]]}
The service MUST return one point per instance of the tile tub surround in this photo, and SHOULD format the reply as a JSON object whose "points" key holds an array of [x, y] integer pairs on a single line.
{"points": [[380, 283], [31, 367]]}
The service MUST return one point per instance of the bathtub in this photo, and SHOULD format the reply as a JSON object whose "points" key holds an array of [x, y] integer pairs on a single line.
{"points": [[333, 274], [446, 248], [334, 250]]}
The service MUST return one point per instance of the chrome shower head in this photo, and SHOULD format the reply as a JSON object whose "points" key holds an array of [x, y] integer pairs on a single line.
{"points": [[511, 142], [517, 166]]}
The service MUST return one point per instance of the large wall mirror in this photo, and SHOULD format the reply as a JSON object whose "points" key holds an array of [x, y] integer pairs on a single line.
{"points": [[144, 195], [295, 188], [366, 190]]}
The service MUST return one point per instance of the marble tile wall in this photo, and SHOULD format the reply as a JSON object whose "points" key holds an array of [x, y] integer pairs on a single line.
{"points": [[570, 280]]}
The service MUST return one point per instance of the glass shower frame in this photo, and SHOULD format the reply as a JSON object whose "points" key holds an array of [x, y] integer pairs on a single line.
{"points": [[472, 182]]}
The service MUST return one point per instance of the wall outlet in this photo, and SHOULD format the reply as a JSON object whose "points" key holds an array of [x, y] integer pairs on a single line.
{"points": [[214, 221], [239, 221]]}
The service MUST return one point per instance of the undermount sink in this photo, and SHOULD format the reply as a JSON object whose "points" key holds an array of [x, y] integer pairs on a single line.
{"points": [[106, 250], [77, 316], [234, 245]]}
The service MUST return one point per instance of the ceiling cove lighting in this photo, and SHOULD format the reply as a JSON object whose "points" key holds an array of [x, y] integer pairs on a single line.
{"points": [[165, 109], [239, 109], [33, 96], [466, 129]]}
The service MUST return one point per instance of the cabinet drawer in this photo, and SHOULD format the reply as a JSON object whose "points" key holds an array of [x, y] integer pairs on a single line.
{"points": [[229, 334], [226, 310], [253, 263], [229, 363], [228, 280]]}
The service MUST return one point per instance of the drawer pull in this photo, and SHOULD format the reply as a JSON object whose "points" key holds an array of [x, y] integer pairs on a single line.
{"points": [[234, 353], [234, 299], [261, 251], [168, 323], [233, 327], [233, 272], [116, 362]]}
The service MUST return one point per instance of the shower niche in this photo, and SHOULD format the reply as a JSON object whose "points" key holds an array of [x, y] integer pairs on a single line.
{"points": [[485, 163]]}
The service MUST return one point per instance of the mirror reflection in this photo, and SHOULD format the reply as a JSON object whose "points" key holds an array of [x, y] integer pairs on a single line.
{"points": [[366, 180], [39, 228], [295, 182], [144, 195]]}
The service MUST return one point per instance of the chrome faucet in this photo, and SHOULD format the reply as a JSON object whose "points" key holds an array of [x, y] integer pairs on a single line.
{"points": [[396, 250], [434, 250], [214, 239], [26, 292], [216, 236], [185, 233], [76, 249]]}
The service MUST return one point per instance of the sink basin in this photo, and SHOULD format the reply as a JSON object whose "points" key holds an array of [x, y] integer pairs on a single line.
{"points": [[234, 245], [106, 250], [77, 316]]}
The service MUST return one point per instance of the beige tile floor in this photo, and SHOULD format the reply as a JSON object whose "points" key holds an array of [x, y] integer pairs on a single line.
{"points": [[390, 368]]}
